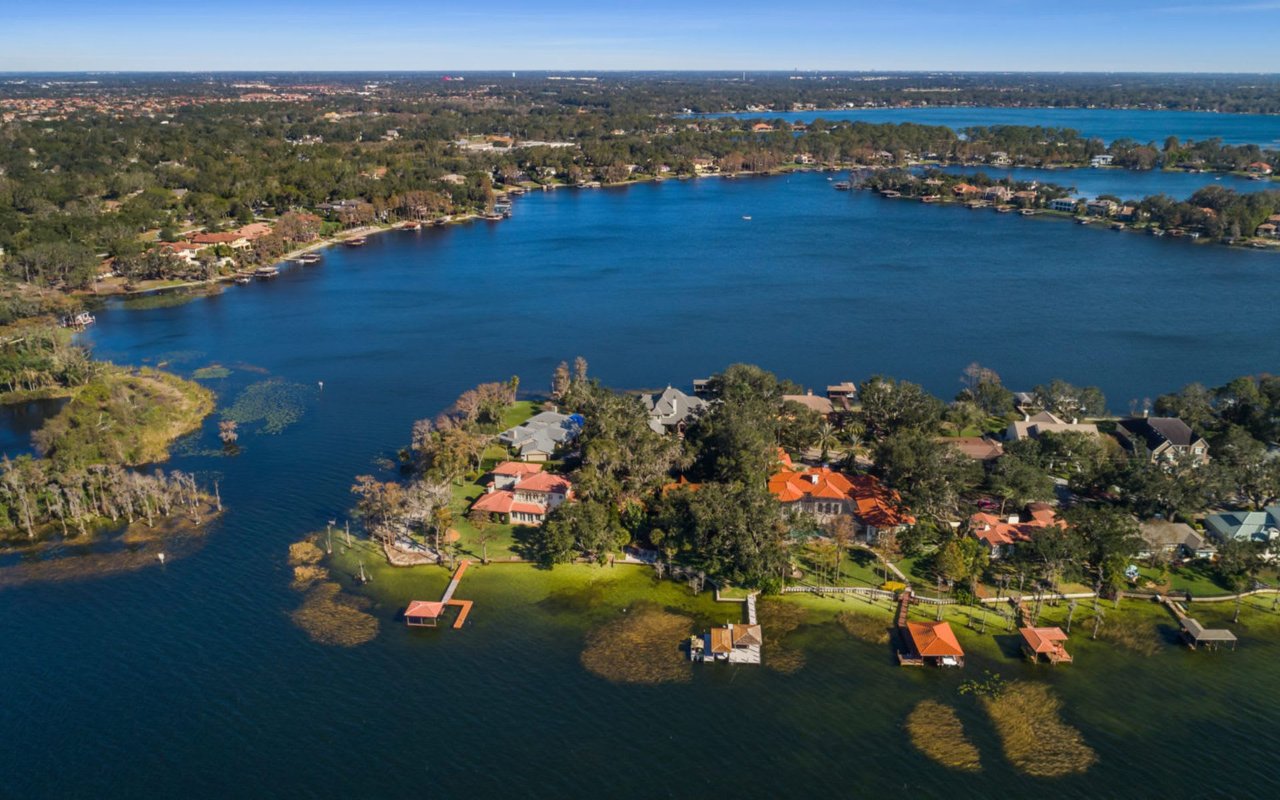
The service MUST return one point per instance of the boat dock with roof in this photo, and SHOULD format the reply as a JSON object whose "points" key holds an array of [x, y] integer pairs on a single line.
{"points": [[427, 613]]}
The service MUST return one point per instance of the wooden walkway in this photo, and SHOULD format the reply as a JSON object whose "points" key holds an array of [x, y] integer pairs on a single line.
{"points": [[457, 578], [904, 608], [464, 606]]}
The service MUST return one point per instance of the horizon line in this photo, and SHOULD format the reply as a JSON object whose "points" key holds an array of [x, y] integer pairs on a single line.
{"points": [[621, 70]]}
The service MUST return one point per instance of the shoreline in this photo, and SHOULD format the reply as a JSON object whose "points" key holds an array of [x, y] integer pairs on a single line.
{"points": [[288, 258], [1252, 243]]}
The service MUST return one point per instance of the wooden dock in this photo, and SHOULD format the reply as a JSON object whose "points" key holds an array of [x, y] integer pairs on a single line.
{"points": [[464, 606], [422, 613], [1193, 633]]}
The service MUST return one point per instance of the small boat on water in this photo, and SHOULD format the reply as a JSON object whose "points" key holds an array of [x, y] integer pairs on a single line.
{"points": [[747, 217], [242, 279], [1157, 231], [355, 241], [1028, 212], [494, 217], [78, 321], [1083, 220], [309, 258], [1117, 226], [842, 186], [265, 272]]}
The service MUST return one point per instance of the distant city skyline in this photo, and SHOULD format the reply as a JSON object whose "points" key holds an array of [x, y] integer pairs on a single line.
{"points": [[983, 35]]}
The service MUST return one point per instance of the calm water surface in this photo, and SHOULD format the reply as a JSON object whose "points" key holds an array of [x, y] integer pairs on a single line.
{"points": [[190, 680], [1107, 124], [1126, 184]]}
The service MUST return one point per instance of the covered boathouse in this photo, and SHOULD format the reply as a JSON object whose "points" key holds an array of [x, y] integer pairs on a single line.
{"points": [[931, 643]]}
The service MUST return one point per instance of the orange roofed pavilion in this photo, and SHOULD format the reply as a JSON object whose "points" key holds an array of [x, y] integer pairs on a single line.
{"points": [[1045, 643], [934, 643]]}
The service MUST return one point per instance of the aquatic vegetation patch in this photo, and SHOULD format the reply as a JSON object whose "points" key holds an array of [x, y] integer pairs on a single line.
{"points": [[641, 646], [328, 616], [211, 372], [170, 299], [777, 619], [1035, 739], [1137, 636], [306, 576], [935, 730], [304, 553], [873, 629], [107, 551], [275, 403]]}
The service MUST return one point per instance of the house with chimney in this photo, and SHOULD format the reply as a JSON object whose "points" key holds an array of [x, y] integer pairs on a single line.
{"points": [[1162, 440], [1032, 426], [1002, 534], [523, 494], [826, 493], [815, 403], [672, 410]]}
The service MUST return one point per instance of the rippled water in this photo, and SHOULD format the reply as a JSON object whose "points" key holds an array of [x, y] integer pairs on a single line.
{"points": [[190, 680]]}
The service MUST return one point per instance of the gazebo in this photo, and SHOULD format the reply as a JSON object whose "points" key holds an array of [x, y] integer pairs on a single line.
{"points": [[1045, 643], [423, 613]]}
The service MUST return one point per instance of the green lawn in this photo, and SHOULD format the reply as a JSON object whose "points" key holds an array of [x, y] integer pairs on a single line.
{"points": [[1194, 578], [857, 568]]}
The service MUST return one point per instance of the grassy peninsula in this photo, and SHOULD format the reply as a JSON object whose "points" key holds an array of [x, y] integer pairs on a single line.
{"points": [[124, 416]]}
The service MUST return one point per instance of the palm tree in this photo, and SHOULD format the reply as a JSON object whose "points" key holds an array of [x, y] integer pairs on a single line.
{"points": [[827, 438]]}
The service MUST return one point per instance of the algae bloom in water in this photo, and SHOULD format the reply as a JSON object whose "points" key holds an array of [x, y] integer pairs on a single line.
{"points": [[642, 646], [936, 731]]}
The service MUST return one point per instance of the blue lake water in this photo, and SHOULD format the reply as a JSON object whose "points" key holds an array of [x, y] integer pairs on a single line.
{"points": [[190, 680], [1107, 124], [1127, 184]]}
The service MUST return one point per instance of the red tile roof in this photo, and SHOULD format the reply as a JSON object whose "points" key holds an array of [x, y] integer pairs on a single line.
{"points": [[1043, 640], [997, 531], [516, 468], [873, 503], [216, 238], [545, 482], [499, 502], [934, 639], [424, 608]]}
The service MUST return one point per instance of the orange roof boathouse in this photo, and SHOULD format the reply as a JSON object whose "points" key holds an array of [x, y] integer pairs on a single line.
{"points": [[1046, 644], [427, 613], [931, 643]]}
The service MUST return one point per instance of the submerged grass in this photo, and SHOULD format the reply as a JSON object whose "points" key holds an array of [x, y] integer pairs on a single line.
{"points": [[643, 646], [867, 628], [936, 731], [330, 617], [777, 619], [107, 550], [304, 552], [211, 372], [1035, 739], [1138, 636]]}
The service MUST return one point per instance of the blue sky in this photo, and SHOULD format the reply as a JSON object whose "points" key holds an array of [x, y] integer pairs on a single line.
{"points": [[1014, 35]]}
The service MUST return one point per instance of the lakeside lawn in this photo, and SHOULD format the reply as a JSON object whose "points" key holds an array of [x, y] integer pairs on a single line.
{"points": [[505, 540]]}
